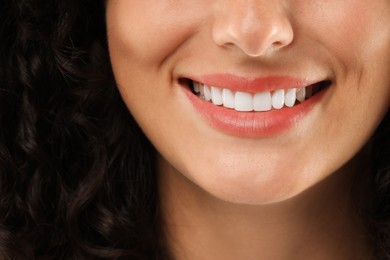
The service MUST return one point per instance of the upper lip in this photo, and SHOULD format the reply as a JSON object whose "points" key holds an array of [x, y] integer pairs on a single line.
{"points": [[253, 85]]}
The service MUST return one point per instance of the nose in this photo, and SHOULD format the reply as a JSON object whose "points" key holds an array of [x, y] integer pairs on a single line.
{"points": [[256, 27]]}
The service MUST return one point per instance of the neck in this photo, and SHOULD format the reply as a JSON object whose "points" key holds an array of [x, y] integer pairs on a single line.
{"points": [[319, 222]]}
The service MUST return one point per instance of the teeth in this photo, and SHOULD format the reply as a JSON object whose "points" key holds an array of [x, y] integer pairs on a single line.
{"points": [[228, 98], [262, 101], [301, 94], [216, 96], [206, 93], [278, 99], [290, 97], [243, 101], [196, 87]]}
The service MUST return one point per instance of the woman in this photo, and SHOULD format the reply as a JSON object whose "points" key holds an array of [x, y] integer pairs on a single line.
{"points": [[194, 129]]}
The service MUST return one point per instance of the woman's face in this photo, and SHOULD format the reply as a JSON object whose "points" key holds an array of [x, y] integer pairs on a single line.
{"points": [[261, 145]]}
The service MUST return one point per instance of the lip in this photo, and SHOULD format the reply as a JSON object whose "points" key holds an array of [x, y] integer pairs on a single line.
{"points": [[252, 85], [253, 124]]}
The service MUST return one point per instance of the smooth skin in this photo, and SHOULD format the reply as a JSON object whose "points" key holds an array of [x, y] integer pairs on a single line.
{"points": [[282, 197]]}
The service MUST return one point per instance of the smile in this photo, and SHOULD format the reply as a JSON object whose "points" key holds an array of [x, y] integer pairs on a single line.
{"points": [[253, 108], [259, 102]]}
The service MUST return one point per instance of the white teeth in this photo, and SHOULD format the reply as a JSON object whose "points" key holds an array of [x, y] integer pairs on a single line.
{"points": [[290, 97], [201, 92], [216, 96], [206, 93], [262, 101], [301, 94], [243, 101], [278, 99], [228, 98]]}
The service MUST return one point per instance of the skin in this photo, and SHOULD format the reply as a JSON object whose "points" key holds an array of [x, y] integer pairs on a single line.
{"points": [[232, 194]]}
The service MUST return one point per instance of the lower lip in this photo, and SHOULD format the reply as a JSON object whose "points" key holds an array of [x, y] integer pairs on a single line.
{"points": [[253, 124]]}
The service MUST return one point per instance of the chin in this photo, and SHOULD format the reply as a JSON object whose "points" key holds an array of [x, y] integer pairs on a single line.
{"points": [[252, 187]]}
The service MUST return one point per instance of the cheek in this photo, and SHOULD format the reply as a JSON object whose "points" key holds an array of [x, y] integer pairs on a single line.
{"points": [[347, 28], [150, 31]]}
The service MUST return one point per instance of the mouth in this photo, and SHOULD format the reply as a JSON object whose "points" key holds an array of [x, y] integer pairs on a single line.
{"points": [[255, 102], [254, 108]]}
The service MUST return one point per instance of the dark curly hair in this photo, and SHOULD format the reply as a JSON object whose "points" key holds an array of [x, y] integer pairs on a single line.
{"points": [[77, 177], [76, 173]]}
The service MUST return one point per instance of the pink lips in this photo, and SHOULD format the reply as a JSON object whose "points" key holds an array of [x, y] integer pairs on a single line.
{"points": [[252, 124], [253, 85]]}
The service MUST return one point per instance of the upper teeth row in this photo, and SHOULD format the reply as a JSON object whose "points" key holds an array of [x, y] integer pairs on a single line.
{"points": [[243, 101]]}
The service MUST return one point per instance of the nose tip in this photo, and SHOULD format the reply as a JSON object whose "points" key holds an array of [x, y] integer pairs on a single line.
{"points": [[254, 29]]}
